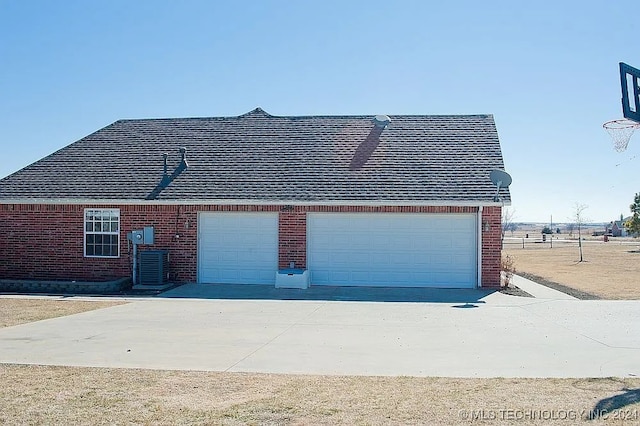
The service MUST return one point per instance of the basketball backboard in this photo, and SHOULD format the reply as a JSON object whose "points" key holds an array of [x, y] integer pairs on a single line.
{"points": [[630, 81]]}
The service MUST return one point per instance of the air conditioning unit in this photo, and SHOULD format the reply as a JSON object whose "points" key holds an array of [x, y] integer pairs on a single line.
{"points": [[154, 267]]}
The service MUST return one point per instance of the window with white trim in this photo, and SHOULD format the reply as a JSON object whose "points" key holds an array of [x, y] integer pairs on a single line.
{"points": [[102, 232]]}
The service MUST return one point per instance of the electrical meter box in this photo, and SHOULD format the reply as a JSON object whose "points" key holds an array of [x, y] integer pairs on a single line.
{"points": [[142, 236], [147, 235]]}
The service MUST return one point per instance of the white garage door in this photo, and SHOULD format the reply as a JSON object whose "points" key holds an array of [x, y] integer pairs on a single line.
{"points": [[402, 250], [238, 248]]}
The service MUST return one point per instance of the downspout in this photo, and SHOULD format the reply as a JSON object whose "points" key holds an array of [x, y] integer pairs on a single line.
{"points": [[479, 262]]}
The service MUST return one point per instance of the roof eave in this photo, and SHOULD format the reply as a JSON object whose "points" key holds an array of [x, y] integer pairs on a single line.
{"points": [[253, 202]]}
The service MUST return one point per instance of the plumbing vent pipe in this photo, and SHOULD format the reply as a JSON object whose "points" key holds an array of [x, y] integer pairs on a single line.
{"points": [[381, 121]]}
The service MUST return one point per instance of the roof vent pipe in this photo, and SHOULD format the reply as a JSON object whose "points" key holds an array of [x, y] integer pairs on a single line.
{"points": [[381, 121], [183, 163], [166, 178], [165, 175], [183, 154]]}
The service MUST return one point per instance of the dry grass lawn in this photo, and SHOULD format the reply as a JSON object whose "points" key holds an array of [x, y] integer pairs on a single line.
{"points": [[609, 270], [15, 311], [64, 395]]}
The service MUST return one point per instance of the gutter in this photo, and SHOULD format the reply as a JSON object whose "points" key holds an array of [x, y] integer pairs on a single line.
{"points": [[252, 202]]}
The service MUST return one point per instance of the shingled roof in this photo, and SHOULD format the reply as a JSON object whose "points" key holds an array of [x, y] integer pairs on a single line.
{"points": [[257, 157]]}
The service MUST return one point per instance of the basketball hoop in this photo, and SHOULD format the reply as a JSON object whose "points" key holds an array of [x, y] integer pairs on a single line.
{"points": [[621, 131]]}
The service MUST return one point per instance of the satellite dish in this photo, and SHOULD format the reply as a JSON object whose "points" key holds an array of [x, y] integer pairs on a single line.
{"points": [[500, 179]]}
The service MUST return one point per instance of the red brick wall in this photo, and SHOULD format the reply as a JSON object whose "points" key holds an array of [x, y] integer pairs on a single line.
{"points": [[491, 246], [292, 231], [46, 241]]}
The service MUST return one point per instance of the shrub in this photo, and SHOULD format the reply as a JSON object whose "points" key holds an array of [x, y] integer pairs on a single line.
{"points": [[508, 267]]}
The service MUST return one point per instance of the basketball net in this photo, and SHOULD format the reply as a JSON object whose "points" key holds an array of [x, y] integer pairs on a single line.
{"points": [[621, 131]]}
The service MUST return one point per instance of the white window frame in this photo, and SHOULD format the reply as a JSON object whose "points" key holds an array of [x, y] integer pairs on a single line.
{"points": [[89, 226]]}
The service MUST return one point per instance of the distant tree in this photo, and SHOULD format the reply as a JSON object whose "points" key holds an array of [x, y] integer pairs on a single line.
{"points": [[512, 227], [557, 230], [570, 228], [633, 224], [546, 230], [579, 220], [507, 220]]}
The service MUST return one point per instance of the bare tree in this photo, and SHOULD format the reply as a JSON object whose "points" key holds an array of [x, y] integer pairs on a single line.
{"points": [[570, 228], [579, 220], [507, 221]]}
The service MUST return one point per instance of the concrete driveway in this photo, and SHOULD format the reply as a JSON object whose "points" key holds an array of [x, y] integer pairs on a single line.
{"points": [[451, 333]]}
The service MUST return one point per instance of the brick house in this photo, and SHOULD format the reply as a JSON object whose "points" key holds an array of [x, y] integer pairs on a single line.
{"points": [[354, 200]]}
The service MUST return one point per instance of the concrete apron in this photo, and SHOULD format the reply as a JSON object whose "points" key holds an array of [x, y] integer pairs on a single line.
{"points": [[489, 335]]}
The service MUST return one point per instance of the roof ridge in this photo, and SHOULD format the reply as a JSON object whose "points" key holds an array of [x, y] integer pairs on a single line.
{"points": [[259, 112]]}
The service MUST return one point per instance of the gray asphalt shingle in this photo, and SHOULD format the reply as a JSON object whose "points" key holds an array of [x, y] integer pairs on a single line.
{"points": [[257, 156]]}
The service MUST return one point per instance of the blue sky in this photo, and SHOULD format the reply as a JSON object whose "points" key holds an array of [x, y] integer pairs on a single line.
{"points": [[547, 71]]}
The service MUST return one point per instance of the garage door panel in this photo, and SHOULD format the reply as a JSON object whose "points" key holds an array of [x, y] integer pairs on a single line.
{"points": [[400, 276], [322, 276], [413, 250], [228, 275], [459, 245], [359, 257], [228, 257], [249, 275], [465, 227], [459, 260], [360, 276], [442, 277], [237, 248], [243, 238], [337, 258], [378, 277], [214, 274], [336, 276], [421, 261], [378, 239], [400, 259], [422, 245], [423, 277], [380, 258], [324, 257]]}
